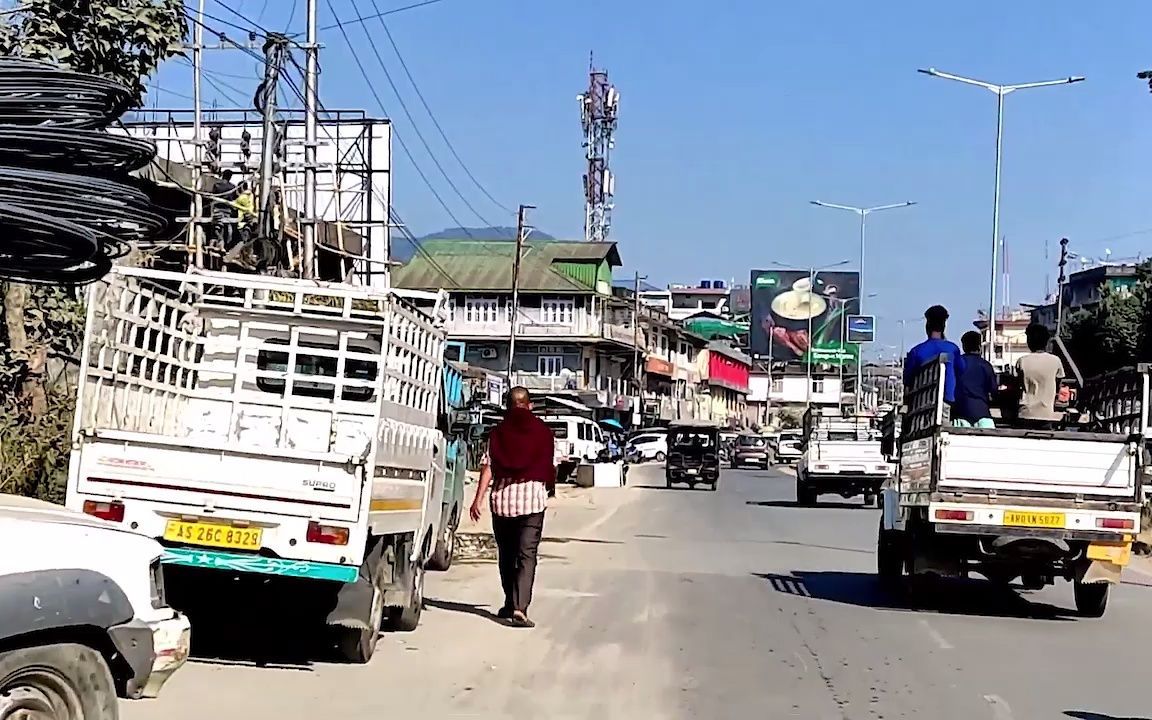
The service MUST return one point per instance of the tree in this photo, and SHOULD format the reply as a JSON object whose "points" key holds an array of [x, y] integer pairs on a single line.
{"points": [[1116, 332], [125, 41]]}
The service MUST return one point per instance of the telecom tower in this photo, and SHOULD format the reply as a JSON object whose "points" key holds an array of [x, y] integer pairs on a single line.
{"points": [[598, 106]]}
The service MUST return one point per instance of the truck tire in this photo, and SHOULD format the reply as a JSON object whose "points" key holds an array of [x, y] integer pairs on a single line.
{"points": [[445, 550], [1091, 598], [889, 558], [356, 645], [64, 681], [406, 619], [804, 494]]}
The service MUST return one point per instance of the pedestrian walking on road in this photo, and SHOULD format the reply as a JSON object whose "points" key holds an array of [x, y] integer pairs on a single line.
{"points": [[520, 470]]}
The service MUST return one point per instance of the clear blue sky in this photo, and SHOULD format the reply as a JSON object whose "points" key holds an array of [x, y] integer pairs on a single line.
{"points": [[736, 113]]}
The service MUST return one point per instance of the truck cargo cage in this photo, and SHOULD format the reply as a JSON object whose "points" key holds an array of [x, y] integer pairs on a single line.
{"points": [[925, 409], [251, 362], [1117, 402]]}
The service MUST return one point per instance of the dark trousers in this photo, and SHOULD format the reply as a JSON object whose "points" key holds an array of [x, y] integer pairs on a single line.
{"points": [[517, 540]]}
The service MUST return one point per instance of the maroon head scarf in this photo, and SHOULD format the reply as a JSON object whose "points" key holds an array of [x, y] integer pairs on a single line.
{"points": [[522, 448]]}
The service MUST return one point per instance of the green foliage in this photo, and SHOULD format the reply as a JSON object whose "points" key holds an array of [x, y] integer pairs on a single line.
{"points": [[1115, 333], [123, 40], [791, 418]]}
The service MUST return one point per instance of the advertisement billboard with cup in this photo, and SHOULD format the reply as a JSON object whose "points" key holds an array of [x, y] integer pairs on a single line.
{"points": [[795, 314]]}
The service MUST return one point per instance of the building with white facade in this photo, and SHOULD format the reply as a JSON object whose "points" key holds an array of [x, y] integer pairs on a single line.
{"points": [[681, 302]]}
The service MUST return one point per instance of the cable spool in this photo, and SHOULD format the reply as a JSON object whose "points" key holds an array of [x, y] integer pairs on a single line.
{"points": [[67, 205]]}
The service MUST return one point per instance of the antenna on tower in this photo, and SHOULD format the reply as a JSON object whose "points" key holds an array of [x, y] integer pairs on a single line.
{"points": [[598, 108]]}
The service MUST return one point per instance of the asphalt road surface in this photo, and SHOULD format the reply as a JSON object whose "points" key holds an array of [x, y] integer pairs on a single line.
{"points": [[660, 604]]}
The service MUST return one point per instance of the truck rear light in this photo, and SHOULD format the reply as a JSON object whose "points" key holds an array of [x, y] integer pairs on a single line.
{"points": [[882, 468], [113, 511], [1115, 523], [820, 466], [327, 534], [963, 515]]}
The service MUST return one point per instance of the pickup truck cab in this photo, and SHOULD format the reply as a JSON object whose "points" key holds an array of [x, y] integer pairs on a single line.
{"points": [[83, 614]]}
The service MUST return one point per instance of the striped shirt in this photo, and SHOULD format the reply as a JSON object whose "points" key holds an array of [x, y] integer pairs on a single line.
{"points": [[514, 498]]}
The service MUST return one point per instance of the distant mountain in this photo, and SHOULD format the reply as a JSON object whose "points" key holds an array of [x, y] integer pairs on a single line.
{"points": [[404, 250]]}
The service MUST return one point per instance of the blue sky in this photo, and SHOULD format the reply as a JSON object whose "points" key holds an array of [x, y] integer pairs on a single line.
{"points": [[736, 113]]}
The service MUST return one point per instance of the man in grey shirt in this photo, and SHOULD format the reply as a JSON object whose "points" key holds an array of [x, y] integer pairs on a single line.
{"points": [[1040, 373]]}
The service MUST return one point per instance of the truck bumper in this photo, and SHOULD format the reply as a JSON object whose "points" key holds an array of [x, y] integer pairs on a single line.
{"points": [[153, 650], [846, 484]]}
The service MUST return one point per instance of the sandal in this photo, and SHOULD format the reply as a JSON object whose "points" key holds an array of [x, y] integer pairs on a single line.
{"points": [[519, 619]]}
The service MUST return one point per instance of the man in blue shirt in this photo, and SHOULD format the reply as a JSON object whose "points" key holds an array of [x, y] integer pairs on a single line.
{"points": [[935, 318], [976, 385]]}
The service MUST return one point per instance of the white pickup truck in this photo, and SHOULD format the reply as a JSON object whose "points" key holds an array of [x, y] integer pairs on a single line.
{"points": [[272, 427], [1024, 501], [839, 457]]}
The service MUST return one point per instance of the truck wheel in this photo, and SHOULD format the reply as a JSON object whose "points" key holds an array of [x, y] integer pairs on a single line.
{"points": [[889, 558], [406, 619], [445, 550], [805, 495], [870, 500], [357, 644], [1091, 598], [65, 681]]}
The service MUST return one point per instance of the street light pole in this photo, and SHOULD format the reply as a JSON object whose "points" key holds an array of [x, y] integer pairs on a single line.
{"points": [[863, 212], [1001, 91]]}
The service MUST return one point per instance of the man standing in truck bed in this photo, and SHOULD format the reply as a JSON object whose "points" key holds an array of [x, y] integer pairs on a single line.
{"points": [[1040, 373], [935, 318]]}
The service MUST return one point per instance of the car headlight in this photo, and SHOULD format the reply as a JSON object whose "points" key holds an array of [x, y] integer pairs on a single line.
{"points": [[156, 584]]}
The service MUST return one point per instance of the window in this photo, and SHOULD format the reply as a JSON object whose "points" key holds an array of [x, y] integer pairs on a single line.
{"points": [[582, 432], [817, 386], [685, 302], [550, 365], [557, 311], [559, 430], [777, 385], [317, 367], [482, 310]]}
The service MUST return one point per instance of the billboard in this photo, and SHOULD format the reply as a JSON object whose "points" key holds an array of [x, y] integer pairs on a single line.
{"points": [[798, 314]]}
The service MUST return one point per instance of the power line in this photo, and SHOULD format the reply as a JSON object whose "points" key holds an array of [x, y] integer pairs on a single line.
{"points": [[342, 25], [411, 119], [399, 139], [432, 116]]}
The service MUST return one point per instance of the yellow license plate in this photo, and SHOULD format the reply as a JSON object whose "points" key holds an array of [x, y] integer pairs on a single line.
{"points": [[213, 535], [1023, 518]]}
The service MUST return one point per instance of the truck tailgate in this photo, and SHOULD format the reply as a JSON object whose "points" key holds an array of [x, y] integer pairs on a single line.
{"points": [[218, 479], [1016, 464]]}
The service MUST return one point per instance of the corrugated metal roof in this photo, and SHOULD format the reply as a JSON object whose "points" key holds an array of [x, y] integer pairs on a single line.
{"points": [[487, 265]]}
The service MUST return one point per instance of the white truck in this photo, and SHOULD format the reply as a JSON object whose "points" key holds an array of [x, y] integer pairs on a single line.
{"points": [[839, 457], [269, 426], [1029, 500]]}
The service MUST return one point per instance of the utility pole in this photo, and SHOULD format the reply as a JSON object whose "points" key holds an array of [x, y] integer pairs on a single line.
{"points": [[196, 252], [1060, 286], [522, 230], [637, 372], [311, 105], [275, 50], [598, 107]]}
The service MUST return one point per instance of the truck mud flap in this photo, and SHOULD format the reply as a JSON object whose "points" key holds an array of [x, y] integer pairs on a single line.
{"points": [[353, 606], [1099, 571]]}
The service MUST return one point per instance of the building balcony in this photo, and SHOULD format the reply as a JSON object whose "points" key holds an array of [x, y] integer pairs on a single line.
{"points": [[580, 330]]}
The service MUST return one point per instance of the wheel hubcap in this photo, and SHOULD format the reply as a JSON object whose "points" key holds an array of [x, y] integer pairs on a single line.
{"points": [[38, 694]]}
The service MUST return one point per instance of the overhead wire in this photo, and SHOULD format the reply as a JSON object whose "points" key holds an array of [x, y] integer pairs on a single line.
{"points": [[432, 115], [412, 120], [386, 13], [399, 139]]}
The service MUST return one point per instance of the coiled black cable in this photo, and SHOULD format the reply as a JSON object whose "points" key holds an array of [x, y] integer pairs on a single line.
{"points": [[67, 209]]}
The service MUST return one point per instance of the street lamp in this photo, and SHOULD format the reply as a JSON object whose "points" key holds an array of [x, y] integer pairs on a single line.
{"points": [[1001, 91], [863, 212], [811, 286]]}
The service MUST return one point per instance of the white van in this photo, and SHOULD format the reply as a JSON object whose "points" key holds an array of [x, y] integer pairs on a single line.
{"points": [[578, 439]]}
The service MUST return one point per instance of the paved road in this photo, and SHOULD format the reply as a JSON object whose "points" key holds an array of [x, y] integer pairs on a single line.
{"points": [[660, 604]]}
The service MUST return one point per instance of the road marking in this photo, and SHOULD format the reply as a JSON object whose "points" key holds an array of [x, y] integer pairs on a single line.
{"points": [[936, 636], [1000, 709], [801, 659]]}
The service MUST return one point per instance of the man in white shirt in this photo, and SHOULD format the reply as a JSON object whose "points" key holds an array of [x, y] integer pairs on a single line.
{"points": [[1040, 373]]}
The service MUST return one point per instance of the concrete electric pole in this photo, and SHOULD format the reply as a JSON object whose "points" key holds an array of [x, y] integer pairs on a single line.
{"points": [[598, 106], [522, 230]]}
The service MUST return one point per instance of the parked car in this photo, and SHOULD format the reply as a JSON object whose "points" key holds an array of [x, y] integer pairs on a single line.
{"points": [[647, 447], [751, 450], [85, 615]]}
